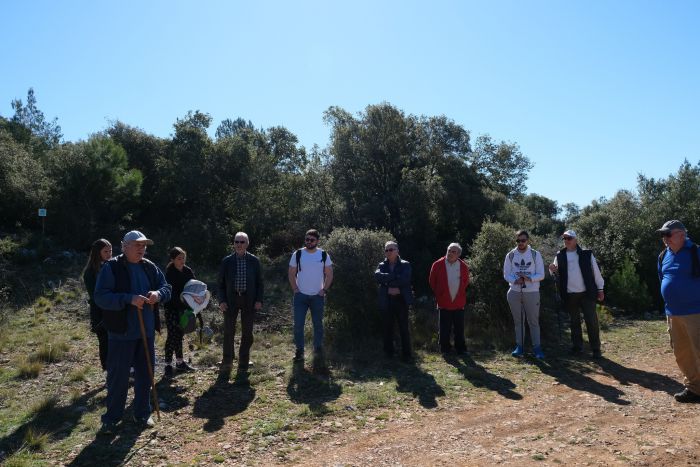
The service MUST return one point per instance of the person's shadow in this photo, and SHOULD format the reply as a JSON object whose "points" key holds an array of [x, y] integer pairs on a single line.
{"points": [[571, 373], [113, 449], [627, 376], [315, 388], [223, 399], [58, 421], [412, 379], [479, 377]]}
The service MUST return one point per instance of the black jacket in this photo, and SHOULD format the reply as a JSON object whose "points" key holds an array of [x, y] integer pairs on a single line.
{"points": [[227, 277]]}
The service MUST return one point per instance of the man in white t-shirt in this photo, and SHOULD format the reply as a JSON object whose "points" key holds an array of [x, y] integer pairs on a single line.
{"points": [[580, 285], [310, 275]]}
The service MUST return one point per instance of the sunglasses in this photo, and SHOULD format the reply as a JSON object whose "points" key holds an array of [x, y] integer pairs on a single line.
{"points": [[311, 239], [521, 240], [389, 249], [670, 234], [567, 238], [239, 241]]}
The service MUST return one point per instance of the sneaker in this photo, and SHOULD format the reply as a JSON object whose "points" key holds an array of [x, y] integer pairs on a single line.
{"points": [[686, 396], [299, 355], [518, 352], [538, 352], [107, 428], [168, 372], [183, 367], [145, 422]]}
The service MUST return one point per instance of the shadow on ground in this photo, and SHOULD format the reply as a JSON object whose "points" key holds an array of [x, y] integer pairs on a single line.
{"points": [[223, 399]]}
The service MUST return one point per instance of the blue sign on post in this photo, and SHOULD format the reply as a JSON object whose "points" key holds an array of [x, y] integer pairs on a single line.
{"points": [[42, 212]]}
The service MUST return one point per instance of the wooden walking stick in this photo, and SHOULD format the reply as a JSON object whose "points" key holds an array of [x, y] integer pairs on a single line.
{"points": [[139, 310]]}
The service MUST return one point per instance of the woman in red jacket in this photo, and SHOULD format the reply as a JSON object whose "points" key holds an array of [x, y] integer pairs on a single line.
{"points": [[449, 278]]}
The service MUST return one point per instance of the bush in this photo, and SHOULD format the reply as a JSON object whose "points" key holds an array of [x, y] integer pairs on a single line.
{"points": [[352, 302], [490, 313], [605, 317], [627, 290]]}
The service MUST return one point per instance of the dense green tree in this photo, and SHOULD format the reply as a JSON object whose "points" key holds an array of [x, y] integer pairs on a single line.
{"points": [[502, 165], [30, 126]]}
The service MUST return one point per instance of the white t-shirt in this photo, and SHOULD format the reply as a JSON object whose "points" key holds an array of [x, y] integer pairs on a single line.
{"points": [[310, 274], [575, 283]]}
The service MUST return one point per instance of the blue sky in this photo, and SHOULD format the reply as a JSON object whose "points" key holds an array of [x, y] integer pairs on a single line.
{"points": [[594, 92]]}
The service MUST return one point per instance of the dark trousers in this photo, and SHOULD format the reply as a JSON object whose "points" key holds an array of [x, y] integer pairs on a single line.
{"points": [[230, 317], [577, 303], [397, 310], [103, 343], [452, 320], [123, 354], [173, 343]]}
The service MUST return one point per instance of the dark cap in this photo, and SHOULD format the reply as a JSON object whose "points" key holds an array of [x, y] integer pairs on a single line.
{"points": [[671, 225]]}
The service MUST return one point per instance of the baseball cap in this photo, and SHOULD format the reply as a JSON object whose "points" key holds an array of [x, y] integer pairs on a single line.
{"points": [[671, 225], [569, 233], [136, 236]]}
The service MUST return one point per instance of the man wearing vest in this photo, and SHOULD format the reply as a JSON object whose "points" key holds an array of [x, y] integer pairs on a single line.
{"points": [[580, 284], [680, 289], [310, 276], [449, 278], [126, 282], [395, 295], [523, 268], [240, 287]]}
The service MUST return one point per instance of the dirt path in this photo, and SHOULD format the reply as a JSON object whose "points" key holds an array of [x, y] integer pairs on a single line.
{"points": [[621, 414]]}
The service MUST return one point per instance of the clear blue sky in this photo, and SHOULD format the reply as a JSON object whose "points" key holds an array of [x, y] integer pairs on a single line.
{"points": [[594, 91]]}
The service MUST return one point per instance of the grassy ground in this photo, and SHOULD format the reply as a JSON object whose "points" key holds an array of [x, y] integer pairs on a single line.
{"points": [[51, 390]]}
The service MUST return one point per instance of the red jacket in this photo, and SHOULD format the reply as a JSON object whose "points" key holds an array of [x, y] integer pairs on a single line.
{"points": [[438, 282]]}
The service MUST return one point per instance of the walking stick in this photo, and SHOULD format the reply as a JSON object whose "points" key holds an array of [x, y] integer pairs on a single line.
{"points": [[522, 314], [139, 310]]}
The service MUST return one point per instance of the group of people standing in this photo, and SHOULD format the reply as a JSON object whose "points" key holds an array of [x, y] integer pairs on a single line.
{"points": [[125, 293]]}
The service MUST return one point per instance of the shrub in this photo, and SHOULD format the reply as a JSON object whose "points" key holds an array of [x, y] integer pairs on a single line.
{"points": [[605, 317], [29, 369], [627, 290], [352, 302]]}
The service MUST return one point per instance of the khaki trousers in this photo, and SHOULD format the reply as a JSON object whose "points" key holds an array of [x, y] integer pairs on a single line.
{"points": [[685, 340]]}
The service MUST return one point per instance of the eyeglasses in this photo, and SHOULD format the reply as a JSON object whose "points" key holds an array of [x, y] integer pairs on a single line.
{"points": [[387, 250], [239, 241], [453, 251], [521, 240], [311, 239], [568, 238]]}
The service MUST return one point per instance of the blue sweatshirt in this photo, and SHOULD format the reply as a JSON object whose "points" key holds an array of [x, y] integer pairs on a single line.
{"points": [[679, 289]]}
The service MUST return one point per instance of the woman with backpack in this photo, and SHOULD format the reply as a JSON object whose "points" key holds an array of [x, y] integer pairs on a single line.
{"points": [[100, 251], [177, 273]]}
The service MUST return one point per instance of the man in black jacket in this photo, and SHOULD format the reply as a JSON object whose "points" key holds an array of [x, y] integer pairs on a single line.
{"points": [[580, 284], [240, 288], [125, 283]]}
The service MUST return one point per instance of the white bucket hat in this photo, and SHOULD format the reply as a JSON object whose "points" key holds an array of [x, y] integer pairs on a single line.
{"points": [[196, 295]]}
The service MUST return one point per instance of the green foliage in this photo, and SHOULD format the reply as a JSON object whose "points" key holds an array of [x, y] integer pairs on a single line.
{"points": [[627, 290], [352, 302], [487, 289], [605, 317], [502, 165], [28, 369]]}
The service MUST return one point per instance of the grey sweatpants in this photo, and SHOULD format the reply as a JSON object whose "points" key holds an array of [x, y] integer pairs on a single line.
{"points": [[531, 304]]}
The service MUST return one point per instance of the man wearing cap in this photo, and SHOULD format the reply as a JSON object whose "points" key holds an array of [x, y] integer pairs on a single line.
{"points": [[240, 288], [580, 284], [125, 283], [679, 274]]}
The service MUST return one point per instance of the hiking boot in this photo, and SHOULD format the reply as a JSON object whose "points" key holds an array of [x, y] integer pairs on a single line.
{"points": [[538, 352], [518, 352], [145, 422], [687, 396], [299, 355], [183, 367], [168, 371], [107, 428]]}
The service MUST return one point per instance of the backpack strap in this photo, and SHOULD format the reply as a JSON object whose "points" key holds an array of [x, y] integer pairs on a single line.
{"points": [[298, 257], [695, 261]]}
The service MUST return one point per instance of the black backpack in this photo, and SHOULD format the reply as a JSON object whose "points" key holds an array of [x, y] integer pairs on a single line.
{"points": [[324, 255], [694, 258]]}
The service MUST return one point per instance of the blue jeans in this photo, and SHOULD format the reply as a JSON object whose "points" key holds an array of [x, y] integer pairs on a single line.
{"points": [[122, 355], [301, 304]]}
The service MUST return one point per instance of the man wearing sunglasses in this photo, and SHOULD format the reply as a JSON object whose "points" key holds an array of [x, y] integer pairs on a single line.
{"points": [[240, 286], [680, 288], [580, 284], [394, 278], [310, 275], [523, 268]]}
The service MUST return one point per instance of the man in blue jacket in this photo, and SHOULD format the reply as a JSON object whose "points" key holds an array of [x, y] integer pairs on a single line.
{"points": [[680, 288], [126, 282], [395, 295]]}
